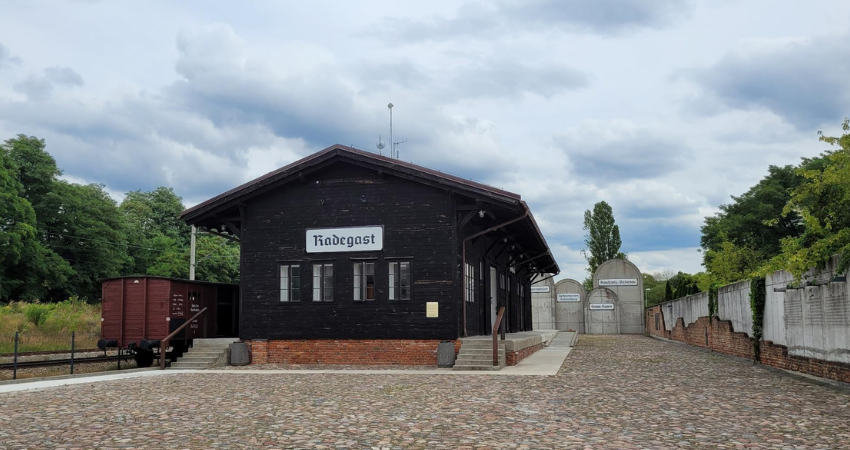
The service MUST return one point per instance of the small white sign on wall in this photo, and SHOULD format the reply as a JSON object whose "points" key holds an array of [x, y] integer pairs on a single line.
{"points": [[601, 306], [539, 289], [563, 298], [349, 239], [432, 309], [618, 282]]}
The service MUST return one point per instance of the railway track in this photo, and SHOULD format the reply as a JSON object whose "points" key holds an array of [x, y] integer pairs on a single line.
{"points": [[49, 352], [60, 362]]}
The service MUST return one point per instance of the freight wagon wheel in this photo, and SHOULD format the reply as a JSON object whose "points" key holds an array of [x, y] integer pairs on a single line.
{"points": [[144, 358]]}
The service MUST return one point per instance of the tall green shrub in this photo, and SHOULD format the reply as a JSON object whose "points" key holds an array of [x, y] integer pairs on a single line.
{"points": [[758, 297]]}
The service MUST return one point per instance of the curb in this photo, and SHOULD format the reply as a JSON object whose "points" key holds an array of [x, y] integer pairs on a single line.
{"points": [[76, 375], [811, 379]]}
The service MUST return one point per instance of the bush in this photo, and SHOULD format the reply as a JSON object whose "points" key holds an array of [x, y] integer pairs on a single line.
{"points": [[37, 313]]}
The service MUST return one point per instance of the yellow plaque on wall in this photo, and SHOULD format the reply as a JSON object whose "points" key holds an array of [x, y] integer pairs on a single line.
{"points": [[432, 309]]}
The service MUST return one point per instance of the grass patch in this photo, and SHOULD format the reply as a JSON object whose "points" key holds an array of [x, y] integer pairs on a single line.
{"points": [[48, 326]]}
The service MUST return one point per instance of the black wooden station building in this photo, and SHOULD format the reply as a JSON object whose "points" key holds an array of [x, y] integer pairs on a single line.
{"points": [[349, 245]]}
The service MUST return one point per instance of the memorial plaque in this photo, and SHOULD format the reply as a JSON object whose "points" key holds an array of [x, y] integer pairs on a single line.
{"points": [[618, 282], [563, 298], [432, 309], [601, 306]]}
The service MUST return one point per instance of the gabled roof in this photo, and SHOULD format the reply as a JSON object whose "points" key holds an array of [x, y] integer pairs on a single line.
{"points": [[391, 164], [226, 204]]}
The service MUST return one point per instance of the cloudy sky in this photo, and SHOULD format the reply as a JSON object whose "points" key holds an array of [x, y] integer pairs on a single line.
{"points": [[662, 108]]}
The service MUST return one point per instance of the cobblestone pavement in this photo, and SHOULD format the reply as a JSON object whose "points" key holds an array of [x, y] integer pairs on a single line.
{"points": [[612, 392]]}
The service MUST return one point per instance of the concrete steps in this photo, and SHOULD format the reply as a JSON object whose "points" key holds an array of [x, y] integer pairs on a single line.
{"points": [[205, 354], [477, 354]]}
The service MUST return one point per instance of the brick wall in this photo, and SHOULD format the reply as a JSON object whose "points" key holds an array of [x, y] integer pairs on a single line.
{"points": [[719, 336], [513, 358], [655, 322], [409, 352]]}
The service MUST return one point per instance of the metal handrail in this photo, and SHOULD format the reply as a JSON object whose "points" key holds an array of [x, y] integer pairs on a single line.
{"points": [[496, 327], [163, 344]]}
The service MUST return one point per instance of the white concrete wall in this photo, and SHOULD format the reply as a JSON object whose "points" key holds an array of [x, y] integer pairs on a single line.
{"points": [[689, 308], [733, 304], [817, 322], [812, 321], [774, 307]]}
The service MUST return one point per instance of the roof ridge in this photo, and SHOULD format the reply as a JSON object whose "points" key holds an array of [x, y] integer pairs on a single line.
{"points": [[338, 149]]}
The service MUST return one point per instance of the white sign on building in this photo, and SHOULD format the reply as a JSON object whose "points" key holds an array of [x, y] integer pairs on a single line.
{"points": [[618, 282], [539, 289], [569, 298], [601, 306], [349, 239]]}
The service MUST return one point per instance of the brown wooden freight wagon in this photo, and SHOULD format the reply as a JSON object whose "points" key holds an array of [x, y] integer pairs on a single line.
{"points": [[138, 312]]}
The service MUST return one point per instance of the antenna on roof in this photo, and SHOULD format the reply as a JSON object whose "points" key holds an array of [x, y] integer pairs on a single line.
{"points": [[393, 144], [395, 147]]}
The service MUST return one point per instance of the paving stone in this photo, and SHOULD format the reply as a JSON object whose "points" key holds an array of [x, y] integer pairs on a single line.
{"points": [[623, 392]]}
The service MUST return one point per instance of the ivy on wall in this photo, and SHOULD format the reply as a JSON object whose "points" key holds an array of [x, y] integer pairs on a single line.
{"points": [[712, 302], [758, 297]]}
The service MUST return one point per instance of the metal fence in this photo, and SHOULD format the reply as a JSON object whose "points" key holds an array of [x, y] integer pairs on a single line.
{"points": [[21, 350]]}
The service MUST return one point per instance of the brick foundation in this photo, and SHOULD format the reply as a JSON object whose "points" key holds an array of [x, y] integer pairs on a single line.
{"points": [[513, 358], [718, 336], [408, 352]]}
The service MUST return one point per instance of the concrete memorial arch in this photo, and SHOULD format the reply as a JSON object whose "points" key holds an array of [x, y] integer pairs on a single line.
{"points": [[569, 305], [542, 313], [602, 312], [622, 278]]}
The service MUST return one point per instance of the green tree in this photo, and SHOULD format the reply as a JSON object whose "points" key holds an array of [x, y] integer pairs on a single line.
{"points": [[822, 203], [17, 226], [27, 175], [745, 234], [668, 291], [602, 238], [217, 260], [153, 230], [36, 169], [83, 226], [731, 263]]}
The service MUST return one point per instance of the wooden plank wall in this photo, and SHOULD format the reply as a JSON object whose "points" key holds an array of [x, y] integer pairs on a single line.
{"points": [[418, 221]]}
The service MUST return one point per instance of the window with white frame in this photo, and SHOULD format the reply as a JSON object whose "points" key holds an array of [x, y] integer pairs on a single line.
{"points": [[399, 278], [290, 283], [323, 282], [364, 281], [469, 275]]}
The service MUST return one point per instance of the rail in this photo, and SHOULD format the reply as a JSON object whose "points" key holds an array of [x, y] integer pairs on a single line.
{"points": [[61, 362], [163, 345], [499, 325]]}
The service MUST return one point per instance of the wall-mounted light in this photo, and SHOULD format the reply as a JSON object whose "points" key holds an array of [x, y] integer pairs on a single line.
{"points": [[481, 214]]}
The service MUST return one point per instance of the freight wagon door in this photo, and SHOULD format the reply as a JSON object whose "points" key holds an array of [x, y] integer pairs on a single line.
{"points": [[135, 300]]}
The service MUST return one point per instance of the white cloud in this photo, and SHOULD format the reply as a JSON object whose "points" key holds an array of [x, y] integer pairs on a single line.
{"points": [[643, 105]]}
